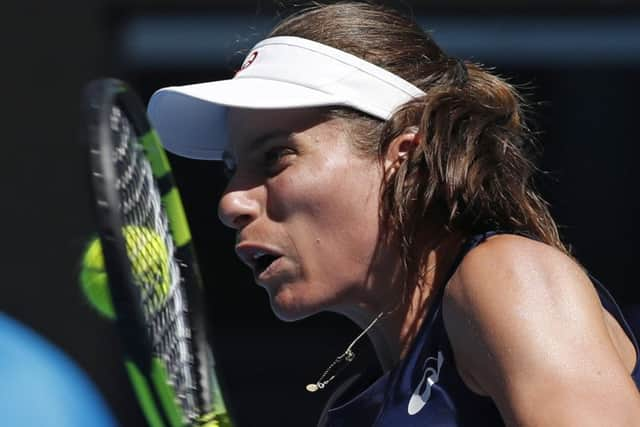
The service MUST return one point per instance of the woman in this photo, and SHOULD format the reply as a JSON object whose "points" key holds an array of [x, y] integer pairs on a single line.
{"points": [[374, 176]]}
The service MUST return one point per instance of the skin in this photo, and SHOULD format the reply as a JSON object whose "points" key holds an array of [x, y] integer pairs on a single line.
{"points": [[527, 329], [309, 197], [520, 315]]}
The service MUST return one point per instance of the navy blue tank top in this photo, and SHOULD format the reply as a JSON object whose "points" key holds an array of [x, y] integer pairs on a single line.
{"points": [[424, 389]]}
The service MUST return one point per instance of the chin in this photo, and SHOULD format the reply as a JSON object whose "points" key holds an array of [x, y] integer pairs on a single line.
{"points": [[288, 306]]}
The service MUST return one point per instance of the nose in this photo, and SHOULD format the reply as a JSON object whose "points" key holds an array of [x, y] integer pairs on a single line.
{"points": [[237, 208]]}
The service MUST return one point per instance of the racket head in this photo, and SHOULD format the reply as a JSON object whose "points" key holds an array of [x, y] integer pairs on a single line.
{"points": [[150, 261]]}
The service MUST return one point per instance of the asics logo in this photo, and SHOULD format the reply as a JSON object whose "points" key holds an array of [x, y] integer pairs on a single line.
{"points": [[421, 394], [252, 57]]}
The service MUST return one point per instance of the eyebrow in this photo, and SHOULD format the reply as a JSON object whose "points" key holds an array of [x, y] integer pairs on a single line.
{"points": [[258, 142]]}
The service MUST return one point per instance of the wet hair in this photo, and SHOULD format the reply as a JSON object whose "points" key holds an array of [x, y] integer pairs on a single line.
{"points": [[472, 170]]}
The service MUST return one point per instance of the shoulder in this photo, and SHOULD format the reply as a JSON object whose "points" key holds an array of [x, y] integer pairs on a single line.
{"points": [[512, 275], [526, 325], [509, 256], [511, 269], [507, 284]]}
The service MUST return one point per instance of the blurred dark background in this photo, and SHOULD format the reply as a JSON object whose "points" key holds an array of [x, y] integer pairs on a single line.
{"points": [[577, 60]]}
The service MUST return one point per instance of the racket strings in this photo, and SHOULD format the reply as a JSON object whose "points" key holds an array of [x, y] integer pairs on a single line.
{"points": [[132, 182], [155, 270]]}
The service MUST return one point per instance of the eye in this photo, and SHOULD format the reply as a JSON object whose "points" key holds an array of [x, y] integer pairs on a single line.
{"points": [[275, 158]]}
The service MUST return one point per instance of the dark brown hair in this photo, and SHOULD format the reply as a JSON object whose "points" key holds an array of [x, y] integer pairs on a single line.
{"points": [[472, 170]]}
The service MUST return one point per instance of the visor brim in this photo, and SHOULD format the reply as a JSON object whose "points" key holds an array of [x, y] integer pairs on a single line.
{"points": [[191, 120]]}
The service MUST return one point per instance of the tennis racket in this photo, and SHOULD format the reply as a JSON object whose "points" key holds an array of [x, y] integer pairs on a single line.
{"points": [[153, 277]]}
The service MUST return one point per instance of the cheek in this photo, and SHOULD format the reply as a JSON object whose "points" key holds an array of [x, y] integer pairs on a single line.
{"points": [[331, 215]]}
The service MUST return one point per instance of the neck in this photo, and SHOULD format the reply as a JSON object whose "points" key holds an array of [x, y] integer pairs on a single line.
{"points": [[393, 334]]}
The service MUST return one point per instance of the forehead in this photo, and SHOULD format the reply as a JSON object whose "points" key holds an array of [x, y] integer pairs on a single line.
{"points": [[246, 126]]}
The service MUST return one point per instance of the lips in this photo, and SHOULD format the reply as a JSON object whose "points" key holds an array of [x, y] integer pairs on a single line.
{"points": [[258, 257]]}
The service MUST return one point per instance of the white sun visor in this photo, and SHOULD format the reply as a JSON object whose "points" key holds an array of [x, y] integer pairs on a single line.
{"points": [[278, 73]]}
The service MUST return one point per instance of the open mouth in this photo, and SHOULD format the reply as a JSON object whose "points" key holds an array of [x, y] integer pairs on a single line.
{"points": [[262, 262]]}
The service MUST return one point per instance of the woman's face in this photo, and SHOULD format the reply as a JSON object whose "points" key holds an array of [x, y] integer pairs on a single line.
{"points": [[305, 207]]}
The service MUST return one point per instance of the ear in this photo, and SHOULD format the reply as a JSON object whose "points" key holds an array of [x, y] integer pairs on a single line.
{"points": [[399, 148]]}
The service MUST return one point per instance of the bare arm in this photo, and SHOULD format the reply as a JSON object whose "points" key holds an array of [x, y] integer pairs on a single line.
{"points": [[527, 329]]}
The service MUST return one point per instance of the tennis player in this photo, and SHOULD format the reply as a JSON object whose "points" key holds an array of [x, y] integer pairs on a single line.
{"points": [[374, 176]]}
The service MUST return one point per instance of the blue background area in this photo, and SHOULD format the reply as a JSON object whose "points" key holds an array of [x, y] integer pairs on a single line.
{"points": [[41, 386]]}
